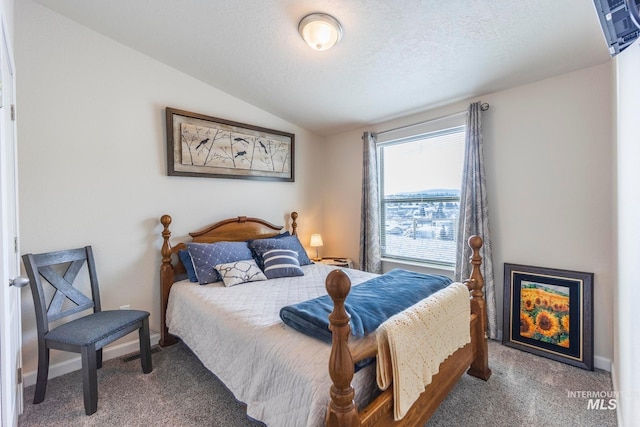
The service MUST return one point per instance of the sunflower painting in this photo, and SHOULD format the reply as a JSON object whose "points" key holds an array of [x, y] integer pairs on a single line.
{"points": [[544, 313], [549, 312]]}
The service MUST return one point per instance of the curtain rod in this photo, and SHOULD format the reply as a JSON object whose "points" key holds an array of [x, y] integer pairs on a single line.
{"points": [[483, 107]]}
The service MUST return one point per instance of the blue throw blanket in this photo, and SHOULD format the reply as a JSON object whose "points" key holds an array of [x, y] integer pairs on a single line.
{"points": [[369, 304]]}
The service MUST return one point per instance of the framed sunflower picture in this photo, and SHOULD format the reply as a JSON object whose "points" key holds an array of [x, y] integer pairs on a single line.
{"points": [[549, 312]]}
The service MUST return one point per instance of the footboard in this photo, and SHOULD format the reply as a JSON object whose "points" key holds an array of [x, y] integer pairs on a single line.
{"points": [[342, 411]]}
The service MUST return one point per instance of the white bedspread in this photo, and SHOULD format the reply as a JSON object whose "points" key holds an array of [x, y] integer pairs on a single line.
{"points": [[413, 343], [281, 374]]}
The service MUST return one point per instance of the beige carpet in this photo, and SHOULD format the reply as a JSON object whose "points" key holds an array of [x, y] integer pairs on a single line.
{"points": [[525, 390]]}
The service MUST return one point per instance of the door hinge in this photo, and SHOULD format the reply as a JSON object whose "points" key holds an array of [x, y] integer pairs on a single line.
{"points": [[19, 376], [13, 112], [15, 245]]}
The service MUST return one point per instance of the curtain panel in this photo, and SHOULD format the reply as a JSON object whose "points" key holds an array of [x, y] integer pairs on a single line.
{"points": [[474, 215], [370, 255]]}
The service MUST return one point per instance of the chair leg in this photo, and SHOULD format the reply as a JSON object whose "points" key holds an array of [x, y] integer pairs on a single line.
{"points": [[43, 373], [145, 347], [90, 379], [99, 359]]}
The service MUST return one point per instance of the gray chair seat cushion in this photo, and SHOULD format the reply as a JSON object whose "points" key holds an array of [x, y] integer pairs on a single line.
{"points": [[95, 327]]}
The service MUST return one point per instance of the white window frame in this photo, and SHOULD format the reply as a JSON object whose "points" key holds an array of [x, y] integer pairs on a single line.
{"points": [[427, 129]]}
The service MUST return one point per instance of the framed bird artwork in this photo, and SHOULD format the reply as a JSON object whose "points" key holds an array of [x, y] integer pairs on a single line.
{"points": [[204, 146]]}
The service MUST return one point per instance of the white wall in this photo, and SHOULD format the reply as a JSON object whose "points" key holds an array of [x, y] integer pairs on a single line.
{"points": [[548, 153], [626, 373], [92, 160]]}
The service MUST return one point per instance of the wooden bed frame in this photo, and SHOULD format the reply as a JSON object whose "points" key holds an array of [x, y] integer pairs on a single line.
{"points": [[342, 411]]}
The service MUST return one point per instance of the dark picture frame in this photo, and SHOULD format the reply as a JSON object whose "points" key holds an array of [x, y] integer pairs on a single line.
{"points": [[211, 147], [549, 312]]}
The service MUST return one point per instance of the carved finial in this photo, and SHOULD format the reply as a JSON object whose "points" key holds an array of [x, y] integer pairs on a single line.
{"points": [[338, 285], [166, 234], [475, 282], [165, 220], [475, 242], [294, 224]]}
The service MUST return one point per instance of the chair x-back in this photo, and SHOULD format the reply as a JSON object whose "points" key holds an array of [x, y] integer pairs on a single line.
{"points": [[85, 335]]}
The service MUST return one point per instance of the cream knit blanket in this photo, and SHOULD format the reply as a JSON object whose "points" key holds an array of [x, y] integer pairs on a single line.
{"points": [[413, 343]]}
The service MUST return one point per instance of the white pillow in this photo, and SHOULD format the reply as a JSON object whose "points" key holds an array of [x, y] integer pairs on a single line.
{"points": [[234, 273]]}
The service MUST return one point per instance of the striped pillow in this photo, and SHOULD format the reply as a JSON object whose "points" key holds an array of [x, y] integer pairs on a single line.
{"points": [[281, 263]]}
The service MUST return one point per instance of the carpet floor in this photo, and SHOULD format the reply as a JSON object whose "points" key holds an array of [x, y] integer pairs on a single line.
{"points": [[524, 390]]}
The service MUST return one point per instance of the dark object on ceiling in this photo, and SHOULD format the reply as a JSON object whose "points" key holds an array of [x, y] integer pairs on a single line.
{"points": [[620, 22]]}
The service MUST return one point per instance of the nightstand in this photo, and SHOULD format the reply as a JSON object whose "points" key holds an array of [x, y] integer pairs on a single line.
{"points": [[336, 262]]}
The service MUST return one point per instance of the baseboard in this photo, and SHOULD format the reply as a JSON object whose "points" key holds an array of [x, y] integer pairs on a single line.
{"points": [[616, 389], [75, 363], [598, 361], [602, 363]]}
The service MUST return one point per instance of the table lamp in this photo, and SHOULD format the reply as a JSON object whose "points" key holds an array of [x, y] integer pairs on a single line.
{"points": [[316, 242]]}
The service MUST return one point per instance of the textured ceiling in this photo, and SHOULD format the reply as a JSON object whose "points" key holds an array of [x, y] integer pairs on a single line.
{"points": [[396, 57]]}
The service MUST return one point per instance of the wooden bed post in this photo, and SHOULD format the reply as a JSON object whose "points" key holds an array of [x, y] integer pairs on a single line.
{"points": [[480, 365], [166, 280], [342, 411], [294, 224]]}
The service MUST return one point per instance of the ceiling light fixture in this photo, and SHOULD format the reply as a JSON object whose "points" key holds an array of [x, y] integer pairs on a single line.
{"points": [[320, 31]]}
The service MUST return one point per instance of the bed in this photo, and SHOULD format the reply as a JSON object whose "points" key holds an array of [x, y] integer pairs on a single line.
{"points": [[280, 373]]}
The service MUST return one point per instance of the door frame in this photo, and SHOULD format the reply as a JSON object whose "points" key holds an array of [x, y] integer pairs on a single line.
{"points": [[11, 388]]}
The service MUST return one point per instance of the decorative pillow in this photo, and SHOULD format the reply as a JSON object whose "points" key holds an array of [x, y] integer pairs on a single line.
{"points": [[234, 273], [281, 263], [277, 236], [281, 235], [188, 265], [259, 247], [206, 256], [255, 255]]}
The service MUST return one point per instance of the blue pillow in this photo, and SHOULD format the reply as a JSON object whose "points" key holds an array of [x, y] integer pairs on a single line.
{"points": [[206, 256], [281, 263], [188, 265], [255, 255], [260, 246]]}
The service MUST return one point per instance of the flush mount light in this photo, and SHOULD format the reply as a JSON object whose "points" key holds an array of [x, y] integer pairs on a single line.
{"points": [[320, 31]]}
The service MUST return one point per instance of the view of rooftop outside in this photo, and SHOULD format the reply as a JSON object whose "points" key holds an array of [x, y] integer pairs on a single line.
{"points": [[423, 229]]}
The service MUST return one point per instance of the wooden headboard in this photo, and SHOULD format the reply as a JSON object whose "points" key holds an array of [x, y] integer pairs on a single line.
{"points": [[237, 229]]}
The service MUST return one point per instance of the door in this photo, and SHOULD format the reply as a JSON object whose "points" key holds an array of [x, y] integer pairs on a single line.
{"points": [[10, 325]]}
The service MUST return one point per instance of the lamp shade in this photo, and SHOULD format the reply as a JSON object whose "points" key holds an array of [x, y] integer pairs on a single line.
{"points": [[320, 31], [316, 240]]}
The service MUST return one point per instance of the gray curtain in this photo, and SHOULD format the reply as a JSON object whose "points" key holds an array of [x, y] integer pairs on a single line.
{"points": [[474, 215], [370, 210]]}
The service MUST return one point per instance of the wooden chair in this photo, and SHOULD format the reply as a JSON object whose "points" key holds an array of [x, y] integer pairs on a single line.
{"points": [[85, 335]]}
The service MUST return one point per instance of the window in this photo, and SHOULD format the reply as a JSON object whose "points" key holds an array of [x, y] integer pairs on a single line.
{"points": [[420, 177]]}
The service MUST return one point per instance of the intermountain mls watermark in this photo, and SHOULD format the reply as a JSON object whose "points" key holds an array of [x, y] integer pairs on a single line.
{"points": [[597, 400]]}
